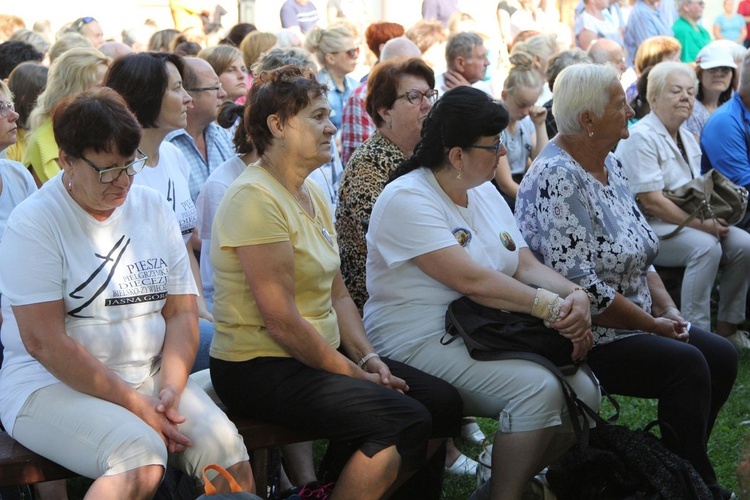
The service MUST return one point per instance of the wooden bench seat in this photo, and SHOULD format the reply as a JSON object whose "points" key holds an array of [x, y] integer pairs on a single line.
{"points": [[20, 466]]}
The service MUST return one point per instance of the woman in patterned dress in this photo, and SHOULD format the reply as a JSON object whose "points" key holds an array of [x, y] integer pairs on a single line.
{"points": [[577, 214]]}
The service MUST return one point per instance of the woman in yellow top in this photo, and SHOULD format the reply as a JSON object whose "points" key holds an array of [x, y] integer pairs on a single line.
{"points": [[290, 346], [73, 72]]}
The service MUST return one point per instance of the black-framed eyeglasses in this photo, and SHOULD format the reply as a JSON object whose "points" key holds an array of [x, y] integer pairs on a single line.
{"points": [[494, 148], [201, 89], [81, 22], [6, 108], [353, 53], [720, 69], [415, 96], [110, 175]]}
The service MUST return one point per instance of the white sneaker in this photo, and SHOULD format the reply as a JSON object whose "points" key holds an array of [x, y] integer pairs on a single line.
{"points": [[740, 339], [472, 433], [463, 466]]}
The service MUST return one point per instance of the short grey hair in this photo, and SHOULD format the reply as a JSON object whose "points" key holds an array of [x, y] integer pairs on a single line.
{"points": [[657, 78], [562, 60], [579, 88], [461, 45], [276, 58]]}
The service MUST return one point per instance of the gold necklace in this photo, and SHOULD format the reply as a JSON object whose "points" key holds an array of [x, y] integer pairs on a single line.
{"points": [[275, 174]]}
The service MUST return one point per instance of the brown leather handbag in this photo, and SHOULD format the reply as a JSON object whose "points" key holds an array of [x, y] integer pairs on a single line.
{"points": [[711, 195]]}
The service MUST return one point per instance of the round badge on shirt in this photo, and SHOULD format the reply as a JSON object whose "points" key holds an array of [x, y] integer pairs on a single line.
{"points": [[508, 242]]}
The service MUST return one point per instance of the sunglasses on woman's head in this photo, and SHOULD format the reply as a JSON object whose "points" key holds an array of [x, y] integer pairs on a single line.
{"points": [[82, 22]]}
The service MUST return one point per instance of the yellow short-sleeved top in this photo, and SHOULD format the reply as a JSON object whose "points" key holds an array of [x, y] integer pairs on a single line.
{"points": [[257, 210], [42, 152]]}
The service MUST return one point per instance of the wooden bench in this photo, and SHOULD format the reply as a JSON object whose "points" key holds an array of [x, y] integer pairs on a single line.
{"points": [[20, 466]]}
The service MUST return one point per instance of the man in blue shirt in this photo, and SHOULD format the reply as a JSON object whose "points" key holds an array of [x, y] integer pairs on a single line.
{"points": [[644, 22], [725, 140], [204, 144]]}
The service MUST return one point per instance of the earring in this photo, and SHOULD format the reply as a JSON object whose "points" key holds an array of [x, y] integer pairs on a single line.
{"points": [[70, 184], [389, 125], [458, 177], [591, 134]]}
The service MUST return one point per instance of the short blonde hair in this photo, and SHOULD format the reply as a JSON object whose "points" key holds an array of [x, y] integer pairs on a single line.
{"points": [[540, 46], [6, 91], [220, 57], [73, 72], [67, 42], [254, 45], [322, 41], [654, 50]]}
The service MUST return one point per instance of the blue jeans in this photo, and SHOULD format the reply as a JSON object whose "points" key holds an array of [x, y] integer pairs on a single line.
{"points": [[204, 345]]}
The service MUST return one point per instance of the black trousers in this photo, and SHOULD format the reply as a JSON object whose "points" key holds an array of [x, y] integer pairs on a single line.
{"points": [[361, 414], [691, 381]]}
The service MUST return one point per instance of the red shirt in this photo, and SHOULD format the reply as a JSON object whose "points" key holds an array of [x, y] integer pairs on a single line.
{"points": [[743, 9]]}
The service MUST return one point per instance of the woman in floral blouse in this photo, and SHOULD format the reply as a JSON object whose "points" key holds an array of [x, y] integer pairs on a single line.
{"points": [[575, 211]]}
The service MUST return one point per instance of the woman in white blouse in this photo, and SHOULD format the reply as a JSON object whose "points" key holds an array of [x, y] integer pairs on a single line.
{"points": [[661, 155]]}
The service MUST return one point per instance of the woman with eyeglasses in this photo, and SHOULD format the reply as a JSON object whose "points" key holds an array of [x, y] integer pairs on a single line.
{"points": [[337, 54], [399, 96], [441, 231], [101, 328], [151, 84], [716, 70]]}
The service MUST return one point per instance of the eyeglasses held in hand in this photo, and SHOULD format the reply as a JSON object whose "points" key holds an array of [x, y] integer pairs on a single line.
{"points": [[6, 108], [110, 175], [415, 96]]}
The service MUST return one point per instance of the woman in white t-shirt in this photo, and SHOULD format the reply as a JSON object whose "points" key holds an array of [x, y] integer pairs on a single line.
{"points": [[151, 84], [440, 231], [16, 183], [597, 21], [101, 328]]}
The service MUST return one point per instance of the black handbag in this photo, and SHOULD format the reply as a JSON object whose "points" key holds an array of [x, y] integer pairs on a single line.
{"points": [[491, 334], [623, 464]]}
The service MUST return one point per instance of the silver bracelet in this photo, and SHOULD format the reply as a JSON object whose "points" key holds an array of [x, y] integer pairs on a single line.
{"points": [[366, 358]]}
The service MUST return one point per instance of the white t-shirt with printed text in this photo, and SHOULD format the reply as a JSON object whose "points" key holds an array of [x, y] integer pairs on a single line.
{"points": [[113, 277], [170, 178]]}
